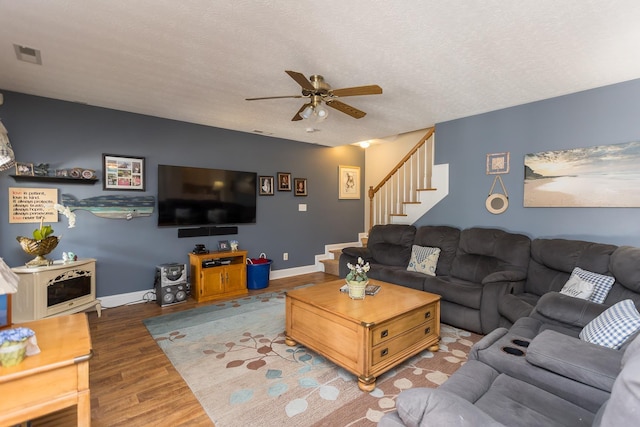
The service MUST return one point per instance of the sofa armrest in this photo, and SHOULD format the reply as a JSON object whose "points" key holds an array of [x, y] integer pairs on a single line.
{"points": [[505, 276], [573, 358], [486, 342], [351, 255], [571, 311], [421, 407], [357, 251]]}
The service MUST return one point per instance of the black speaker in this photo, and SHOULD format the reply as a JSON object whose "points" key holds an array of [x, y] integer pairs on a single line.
{"points": [[207, 231], [171, 294], [171, 284]]}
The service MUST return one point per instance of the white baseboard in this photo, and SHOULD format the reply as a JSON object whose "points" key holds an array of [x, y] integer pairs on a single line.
{"points": [[137, 297]]}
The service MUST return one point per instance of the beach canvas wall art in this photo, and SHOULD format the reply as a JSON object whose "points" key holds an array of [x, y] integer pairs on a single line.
{"points": [[601, 176]]}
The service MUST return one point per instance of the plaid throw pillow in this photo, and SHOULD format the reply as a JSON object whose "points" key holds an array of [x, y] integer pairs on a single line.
{"points": [[424, 259], [614, 326], [577, 288], [601, 284]]}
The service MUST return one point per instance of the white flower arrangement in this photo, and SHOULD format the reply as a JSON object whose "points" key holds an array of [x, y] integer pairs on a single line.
{"points": [[358, 272], [10, 336]]}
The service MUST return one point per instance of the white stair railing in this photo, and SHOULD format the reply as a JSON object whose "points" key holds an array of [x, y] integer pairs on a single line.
{"points": [[402, 186]]}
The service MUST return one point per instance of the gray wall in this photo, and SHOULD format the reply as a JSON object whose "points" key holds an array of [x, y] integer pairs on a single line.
{"points": [[67, 135], [607, 115]]}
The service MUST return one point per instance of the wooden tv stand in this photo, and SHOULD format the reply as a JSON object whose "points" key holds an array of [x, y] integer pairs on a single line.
{"points": [[226, 277]]}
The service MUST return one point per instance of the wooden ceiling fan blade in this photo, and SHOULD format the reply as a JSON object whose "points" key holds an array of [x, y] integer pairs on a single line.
{"points": [[297, 116], [274, 97], [358, 90], [347, 109], [301, 80]]}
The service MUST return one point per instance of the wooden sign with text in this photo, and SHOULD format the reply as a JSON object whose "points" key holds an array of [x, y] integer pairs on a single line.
{"points": [[30, 205]]}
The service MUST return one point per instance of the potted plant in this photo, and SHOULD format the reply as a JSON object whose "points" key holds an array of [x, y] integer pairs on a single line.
{"points": [[357, 278], [43, 241]]}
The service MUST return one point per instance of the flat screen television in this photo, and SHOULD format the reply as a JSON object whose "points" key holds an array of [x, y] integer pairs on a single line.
{"points": [[189, 196]]}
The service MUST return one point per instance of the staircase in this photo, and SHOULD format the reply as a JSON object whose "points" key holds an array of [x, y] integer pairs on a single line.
{"points": [[411, 189], [329, 261]]}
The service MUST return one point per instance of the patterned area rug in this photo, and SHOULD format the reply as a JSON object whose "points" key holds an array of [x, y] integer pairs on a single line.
{"points": [[234, 358]]}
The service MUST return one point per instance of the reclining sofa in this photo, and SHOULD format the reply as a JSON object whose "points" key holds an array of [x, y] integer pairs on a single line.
{"points": [[478, 394], [545, 367], [475, 267]]}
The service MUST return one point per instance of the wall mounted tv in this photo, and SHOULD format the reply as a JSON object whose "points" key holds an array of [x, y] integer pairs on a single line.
{"points": [[189, 196]]}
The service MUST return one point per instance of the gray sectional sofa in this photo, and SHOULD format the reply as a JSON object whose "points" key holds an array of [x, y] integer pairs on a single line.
{"points": [[605, 389], [476, 267], [532, 367]]}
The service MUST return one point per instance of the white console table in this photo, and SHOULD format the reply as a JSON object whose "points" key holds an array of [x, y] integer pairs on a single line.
{"points": [[54, 290]]}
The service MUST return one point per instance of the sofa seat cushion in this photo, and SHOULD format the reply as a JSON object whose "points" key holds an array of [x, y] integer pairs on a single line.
{"points": [[458, 291], [514, 402], [401, 276], [513, 307], [510, 401]]}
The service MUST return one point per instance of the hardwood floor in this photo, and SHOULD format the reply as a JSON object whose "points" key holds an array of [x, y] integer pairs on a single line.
{"points": [[132, 382]]}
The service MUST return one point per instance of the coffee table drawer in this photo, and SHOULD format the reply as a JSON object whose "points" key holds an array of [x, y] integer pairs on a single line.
{"points": [[393, 328], [386, 350]]}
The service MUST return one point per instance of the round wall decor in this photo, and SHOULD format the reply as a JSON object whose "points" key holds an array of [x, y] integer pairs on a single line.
{"points": [[497, 203]]}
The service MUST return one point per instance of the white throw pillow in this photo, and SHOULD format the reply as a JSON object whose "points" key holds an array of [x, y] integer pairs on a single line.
{"points": [[577, 288], [614, 326], [424, 259], [602, 284]]}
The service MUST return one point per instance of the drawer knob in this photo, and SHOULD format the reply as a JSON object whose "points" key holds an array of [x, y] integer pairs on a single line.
{"points": [[384, 333], [384, 352], [427, 330], [427, 315]]}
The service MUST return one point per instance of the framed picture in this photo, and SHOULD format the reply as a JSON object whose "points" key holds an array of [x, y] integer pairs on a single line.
{"points": [[348, 182], [284, 181], [300, 185], [266, 186], [24, 169], [497, 163], [587, 177], [123, 173], [223, 245]]}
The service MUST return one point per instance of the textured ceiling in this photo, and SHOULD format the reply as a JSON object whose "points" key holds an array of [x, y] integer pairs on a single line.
{"points": [[197, 60]]}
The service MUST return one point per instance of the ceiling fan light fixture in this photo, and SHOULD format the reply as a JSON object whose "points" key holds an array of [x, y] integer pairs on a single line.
{"points": [[307, 112], [320, 113]]}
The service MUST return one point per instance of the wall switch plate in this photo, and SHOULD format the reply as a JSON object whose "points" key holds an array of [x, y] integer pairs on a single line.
{"points": [[285, 256], [302, 207]]}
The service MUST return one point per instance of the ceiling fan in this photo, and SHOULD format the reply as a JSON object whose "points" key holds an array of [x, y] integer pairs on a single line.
{"points": [[318, 91]]}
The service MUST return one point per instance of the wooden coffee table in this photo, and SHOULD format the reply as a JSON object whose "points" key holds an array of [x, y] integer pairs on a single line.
{"points": [[366, 337]]}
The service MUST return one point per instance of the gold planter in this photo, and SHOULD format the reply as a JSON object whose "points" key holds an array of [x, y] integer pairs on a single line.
{"points": [[40, 248]]}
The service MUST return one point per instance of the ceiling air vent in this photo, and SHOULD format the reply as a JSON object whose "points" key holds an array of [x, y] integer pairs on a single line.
{"points": [[28, 54]]}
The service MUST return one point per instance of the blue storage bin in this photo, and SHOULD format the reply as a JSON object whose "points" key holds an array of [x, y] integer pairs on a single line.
{"points": [[258, 272]]}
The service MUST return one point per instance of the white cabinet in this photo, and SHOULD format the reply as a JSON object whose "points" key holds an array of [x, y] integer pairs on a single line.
{"points": [[53, 290]]}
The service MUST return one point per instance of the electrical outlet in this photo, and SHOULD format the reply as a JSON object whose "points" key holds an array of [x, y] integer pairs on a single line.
{"points": [[285, 256]]}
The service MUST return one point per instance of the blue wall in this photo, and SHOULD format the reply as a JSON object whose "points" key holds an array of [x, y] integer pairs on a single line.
{"points": [[607, 115], [67, 135]]}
